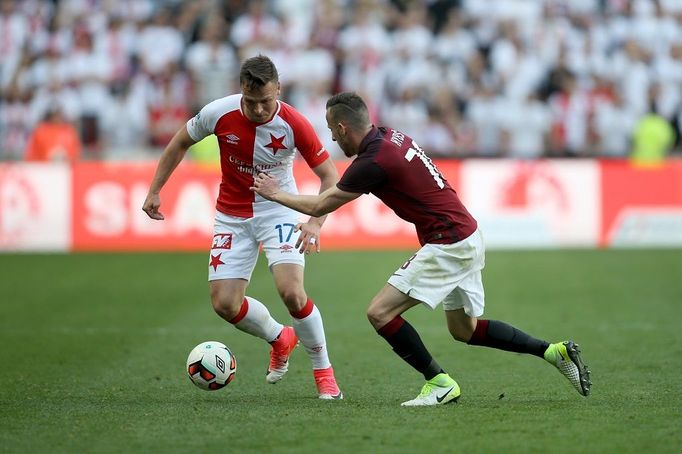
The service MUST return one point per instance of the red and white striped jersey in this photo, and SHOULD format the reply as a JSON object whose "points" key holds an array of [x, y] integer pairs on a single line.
{"points": [[247, 148]]}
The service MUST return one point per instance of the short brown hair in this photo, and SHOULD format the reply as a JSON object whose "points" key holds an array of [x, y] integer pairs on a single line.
{"points": [[350, 108], [257, 71]]}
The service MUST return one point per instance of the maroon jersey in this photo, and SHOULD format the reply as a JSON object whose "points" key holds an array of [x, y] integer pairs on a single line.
{"points": [[393, 168]]}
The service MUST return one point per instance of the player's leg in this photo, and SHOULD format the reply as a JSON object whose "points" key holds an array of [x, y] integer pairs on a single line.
{"points": [[276, 232], [232, 259], [245, 313], [307, 321], [384, 313], [422, 278], [465, 304], [565, 356], [493, 334]]}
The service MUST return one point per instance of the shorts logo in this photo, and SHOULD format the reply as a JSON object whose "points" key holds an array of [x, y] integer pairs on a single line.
{"points": [[215, 261], [232, 138], [285, 248], [222, 241]]}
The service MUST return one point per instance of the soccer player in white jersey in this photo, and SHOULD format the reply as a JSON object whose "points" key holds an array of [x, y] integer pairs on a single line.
{"points": [[258, 133]]}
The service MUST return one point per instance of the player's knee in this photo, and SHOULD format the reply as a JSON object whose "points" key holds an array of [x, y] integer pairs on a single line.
{"points": [[376, 317], [463, 330], [224, 309], [460, 335], [226, 306], [294, 298]]}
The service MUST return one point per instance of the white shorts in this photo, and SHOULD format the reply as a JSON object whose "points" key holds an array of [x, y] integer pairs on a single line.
{"points": [[447, 273], [236, 243]]}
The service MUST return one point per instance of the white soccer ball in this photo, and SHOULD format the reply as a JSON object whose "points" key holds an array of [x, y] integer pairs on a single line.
{"points": [[211, 365]]}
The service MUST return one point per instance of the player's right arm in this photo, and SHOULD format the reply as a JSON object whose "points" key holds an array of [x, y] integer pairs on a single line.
{"points": [[170, 158]]}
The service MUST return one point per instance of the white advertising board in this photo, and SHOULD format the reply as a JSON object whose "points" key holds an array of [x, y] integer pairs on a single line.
{"points": [[35, 207], [529, 204]]}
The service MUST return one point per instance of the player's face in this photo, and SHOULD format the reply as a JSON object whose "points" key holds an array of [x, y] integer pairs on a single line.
{"points": [[339, 136], [259, 104]]}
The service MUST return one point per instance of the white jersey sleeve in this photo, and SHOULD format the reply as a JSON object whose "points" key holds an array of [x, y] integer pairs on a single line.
{"points": [[203, 123]]}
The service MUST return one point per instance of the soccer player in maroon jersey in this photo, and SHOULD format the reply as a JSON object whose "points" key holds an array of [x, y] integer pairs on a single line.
{"points": [[446, 269], [256, 132]]}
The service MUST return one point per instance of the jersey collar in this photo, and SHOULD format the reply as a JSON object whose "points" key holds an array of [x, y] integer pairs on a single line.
{"points": [[367, 139]]}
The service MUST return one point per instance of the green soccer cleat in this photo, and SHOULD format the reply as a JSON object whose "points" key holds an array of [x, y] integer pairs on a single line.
{"points": [[440, 390], [565, 356]]}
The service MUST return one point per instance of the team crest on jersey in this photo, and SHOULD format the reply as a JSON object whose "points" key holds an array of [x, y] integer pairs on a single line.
{"points": [[232, 138], [222, 241]]}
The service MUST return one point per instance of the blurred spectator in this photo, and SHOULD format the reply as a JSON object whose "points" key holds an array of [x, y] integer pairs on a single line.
{"points": [[438, 136], [118, 44], [484, 112], [525, 126], [454, 42], [90, 73], [364, 43], [254, 29], [570, 114], [212, 63], [54, 139], [13, 35], [614, 122], [653, 136], [125, 120], [410, 112], [15, 125], [652, 140], [168, 109], [159, 43]]}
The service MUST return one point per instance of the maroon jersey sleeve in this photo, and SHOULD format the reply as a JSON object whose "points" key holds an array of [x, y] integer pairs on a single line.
{"points": [[362, 176]]}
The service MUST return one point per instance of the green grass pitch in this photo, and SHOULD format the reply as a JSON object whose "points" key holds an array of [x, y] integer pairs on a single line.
{"points": [[93, 349]]}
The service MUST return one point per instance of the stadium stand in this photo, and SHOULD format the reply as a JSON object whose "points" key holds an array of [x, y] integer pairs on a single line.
{"points": [[500, 78]]}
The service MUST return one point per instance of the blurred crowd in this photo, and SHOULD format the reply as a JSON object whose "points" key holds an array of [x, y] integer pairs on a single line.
{"points": [[114, 79]]}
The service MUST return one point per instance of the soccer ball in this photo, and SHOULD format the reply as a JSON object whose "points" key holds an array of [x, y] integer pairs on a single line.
{"points": [[211, 365]]}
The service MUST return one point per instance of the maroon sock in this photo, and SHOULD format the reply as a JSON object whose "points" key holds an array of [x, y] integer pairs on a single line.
{"points": [[408, 345], [496, 334]]}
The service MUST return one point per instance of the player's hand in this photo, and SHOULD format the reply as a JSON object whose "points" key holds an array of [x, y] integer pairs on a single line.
{"points": [[151, 206], [265, 185], [309, 239]]}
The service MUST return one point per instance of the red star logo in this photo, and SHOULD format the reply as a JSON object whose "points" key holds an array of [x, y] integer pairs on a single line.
{"points": [[215, 261], [276, 143]]}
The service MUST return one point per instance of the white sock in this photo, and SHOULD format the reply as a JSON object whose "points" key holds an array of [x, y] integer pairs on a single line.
{"points": [[310, 332], [255, 319]]}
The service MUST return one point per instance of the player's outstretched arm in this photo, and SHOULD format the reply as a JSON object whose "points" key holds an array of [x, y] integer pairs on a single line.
{"points": [[309, 239], [170, 158], [314, 205], [328, 176]]}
